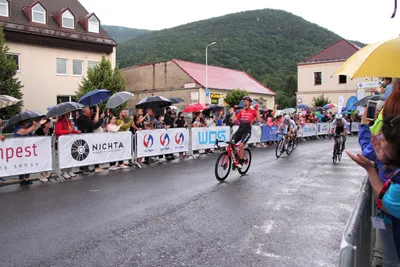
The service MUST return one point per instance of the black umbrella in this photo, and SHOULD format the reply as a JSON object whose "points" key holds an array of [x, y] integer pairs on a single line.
{"points": [[26, 115], [63, 108], [176, 100], [212, 109], [153, 102], [363, 102]]}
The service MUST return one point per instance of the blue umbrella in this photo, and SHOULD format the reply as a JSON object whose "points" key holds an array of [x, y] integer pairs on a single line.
{"points": [[302, 106], [94, 97], [241, 103]]}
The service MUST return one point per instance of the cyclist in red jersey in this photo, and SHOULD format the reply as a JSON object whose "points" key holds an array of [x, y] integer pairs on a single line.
{"points": [[246, 118]]}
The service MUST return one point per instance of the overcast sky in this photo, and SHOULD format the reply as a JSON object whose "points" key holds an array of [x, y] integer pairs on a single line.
{"points": [[363, 20]]}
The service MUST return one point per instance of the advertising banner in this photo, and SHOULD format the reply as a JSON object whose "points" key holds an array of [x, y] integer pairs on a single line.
{"points": [[25, 155], [161, 141], [309, 130], [322, 128], [354, 126], [204, 138], [255, 134], [269, 133], [86, 149]]}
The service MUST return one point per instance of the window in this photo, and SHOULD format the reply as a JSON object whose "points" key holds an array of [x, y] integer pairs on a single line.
{"points": [[4, 8], [16, 59], [91, 64], [38, 14], [342, 79], [65, 98], [317, 78], [77, 67], [93, 25], [62, 66], [68, 20]]}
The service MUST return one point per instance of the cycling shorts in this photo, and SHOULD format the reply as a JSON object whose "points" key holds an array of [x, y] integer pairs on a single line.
{"points": [[339, 130], [243, 134]]}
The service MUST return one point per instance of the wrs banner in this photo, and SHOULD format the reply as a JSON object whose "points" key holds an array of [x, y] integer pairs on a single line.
{"points": [[323, 128], [161, 141], [86, 149], [25, 155], [309, 130], [205, 137]]}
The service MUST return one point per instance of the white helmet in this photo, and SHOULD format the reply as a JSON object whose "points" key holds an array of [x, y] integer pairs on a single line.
{"points": [[339, 116], [286, 118]]}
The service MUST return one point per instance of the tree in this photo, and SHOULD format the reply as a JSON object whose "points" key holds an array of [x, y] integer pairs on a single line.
{"points": [[9, 85], [234, 97], [320, 101], [102, 76]]}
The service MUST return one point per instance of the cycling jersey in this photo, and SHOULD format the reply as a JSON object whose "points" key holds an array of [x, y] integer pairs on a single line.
{"points": [[290, 125], [246, 117], [339, 125]]}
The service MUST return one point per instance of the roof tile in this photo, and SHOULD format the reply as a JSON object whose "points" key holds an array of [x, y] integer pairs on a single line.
{"points": [[223, 78]]}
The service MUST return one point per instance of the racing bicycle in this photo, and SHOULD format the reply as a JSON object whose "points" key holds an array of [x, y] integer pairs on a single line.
{"points": [[230, 159], [286, 145], [337, 150]]}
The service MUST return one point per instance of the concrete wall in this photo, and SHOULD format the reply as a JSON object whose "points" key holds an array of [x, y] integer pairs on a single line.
{"points": [[38, 73], [330, 86]]}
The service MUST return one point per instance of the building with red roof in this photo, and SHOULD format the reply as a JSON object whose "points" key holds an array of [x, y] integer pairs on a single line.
{"points": [[187, 80], [314, 74]]}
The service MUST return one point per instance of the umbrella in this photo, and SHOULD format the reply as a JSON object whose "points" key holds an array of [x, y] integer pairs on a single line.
{"points": [[153, 102], [346, 112], [319, 109], [94, 97], [364, 101], [6, 100], [63, 108], [288, 110], [379, 59], [194, 107], [241, 103], [26, 115], [176, 100], [329, 106], [212, 109], [173, 107], [302, 106], [118, 99]]}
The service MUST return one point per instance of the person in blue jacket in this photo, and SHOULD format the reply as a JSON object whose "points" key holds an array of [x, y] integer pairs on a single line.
{"points": [[387, 152]]}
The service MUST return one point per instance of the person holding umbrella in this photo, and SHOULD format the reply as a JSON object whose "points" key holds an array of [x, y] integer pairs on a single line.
{"points": [[24, 129]]}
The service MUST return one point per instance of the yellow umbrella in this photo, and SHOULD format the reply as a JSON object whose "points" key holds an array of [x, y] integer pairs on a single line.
{"points": [[381, 59]]}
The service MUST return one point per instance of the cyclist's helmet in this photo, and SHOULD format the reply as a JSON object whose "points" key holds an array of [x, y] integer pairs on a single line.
{"points": [[286, 118], [339, 116], [247, 98]]}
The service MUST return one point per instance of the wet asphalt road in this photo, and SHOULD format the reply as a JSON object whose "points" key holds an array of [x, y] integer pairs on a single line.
{"points": [[285, 212]]}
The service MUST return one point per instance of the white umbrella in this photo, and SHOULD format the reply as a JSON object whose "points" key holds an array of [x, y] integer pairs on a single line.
{"points": [[6, 100]]}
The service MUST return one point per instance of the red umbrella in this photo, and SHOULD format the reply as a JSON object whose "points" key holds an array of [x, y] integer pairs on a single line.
{"points": [[194, 107]]}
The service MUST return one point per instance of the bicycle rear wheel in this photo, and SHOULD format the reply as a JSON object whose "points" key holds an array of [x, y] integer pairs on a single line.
{"points": [[290, 147], [279, 148], [246, 164], [335, 154], [223, 164]]}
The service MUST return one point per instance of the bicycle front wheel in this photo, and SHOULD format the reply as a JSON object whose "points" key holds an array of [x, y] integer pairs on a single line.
{"points": [[223, 166], [335, 154], [279, 148], [246, 164]]}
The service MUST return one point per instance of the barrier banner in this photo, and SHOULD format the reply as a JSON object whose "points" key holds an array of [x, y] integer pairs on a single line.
{"points": [[255, 134], [204, 138], [269, 133], [354, 126], [309, 129], [25, 155], [348, 126], [322, 128], [161, 142], [86, 149]]}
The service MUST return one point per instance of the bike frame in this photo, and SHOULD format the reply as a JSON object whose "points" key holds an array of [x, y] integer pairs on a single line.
{"points": [[231, 150]]}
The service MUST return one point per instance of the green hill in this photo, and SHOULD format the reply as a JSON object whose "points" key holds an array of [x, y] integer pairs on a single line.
{"points": [[121, 34], [266, 43]]}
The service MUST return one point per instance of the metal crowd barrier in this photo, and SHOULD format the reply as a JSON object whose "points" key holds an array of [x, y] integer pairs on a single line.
{"points": [[359, 236]]}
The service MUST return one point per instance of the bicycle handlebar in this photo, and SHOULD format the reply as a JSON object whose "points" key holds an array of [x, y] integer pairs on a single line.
{"points": [[220, 141]]}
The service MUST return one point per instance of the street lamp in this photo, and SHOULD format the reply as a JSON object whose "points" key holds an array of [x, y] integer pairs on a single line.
{"points": [[213, 43]]}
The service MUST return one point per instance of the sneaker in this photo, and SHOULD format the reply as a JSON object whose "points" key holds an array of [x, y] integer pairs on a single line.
{"points": [[123, 166], [71, 174], [28, 182], [113, 168], [85, 172], [67, 176], [43, 178], [97, 170]]}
